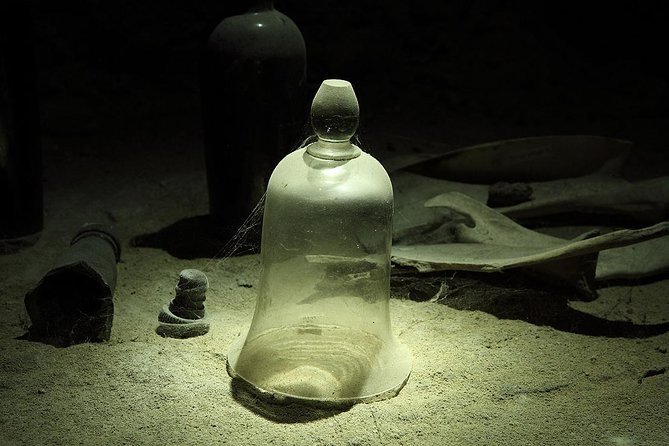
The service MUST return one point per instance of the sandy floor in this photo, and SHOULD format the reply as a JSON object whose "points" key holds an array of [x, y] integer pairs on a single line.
{"points": [[498, 376], [497, 361]]}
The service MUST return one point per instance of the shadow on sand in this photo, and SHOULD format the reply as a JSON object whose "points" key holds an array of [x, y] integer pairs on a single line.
{"points": [[201, 237], [517, 295], [292, 412]]}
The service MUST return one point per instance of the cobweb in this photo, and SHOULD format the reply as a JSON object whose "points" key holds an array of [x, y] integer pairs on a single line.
{"points": [[246, 239]]}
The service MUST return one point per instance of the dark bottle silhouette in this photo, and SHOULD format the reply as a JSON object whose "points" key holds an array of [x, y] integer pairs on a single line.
{"points": [[253, 80], [20, 154]]}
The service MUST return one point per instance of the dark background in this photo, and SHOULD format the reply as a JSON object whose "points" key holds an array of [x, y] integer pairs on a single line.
{"points": [[459, 72]]}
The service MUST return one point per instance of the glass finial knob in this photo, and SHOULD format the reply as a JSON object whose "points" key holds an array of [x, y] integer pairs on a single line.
{"points": [[335, 111]]}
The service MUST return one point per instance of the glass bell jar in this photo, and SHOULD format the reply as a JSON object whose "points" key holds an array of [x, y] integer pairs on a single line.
{"points": [[321, 330]]}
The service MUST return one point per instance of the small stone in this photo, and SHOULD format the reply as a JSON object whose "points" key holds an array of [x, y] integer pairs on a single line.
{"points": [[41, 391], [185, 316]]}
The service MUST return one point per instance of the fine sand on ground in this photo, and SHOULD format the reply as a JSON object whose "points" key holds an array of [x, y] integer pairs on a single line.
{"points": [[482, 376]]}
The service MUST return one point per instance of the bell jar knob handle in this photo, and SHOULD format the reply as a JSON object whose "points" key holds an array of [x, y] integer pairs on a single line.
{"points": [[335, 111]]}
